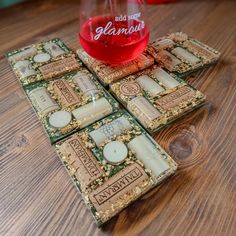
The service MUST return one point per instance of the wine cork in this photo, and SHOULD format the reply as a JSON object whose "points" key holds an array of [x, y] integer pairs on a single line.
{"points": [[81, 160], [174, 99], [24, 68], [65, 93], [185, 55], [168, 60], [106, 132], [26, 53], [111, 74], [163, 44], [167, 80], [53, 49], [42, 101], [92, 111], [85, 83], [108, 74], [203, 51], [149, 85], [124, 182], [146, 152], [59, 67], [143, 110]]}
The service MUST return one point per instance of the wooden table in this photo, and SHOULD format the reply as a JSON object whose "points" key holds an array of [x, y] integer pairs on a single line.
{"points": [[37, 196]]}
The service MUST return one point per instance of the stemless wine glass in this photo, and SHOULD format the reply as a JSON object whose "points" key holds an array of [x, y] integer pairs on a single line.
{"points": [[113, 31]]}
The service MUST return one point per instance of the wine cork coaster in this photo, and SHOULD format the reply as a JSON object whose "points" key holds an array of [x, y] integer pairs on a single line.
{"points": [[60, 119], [181, 54], [112, 176], [115, 152], [43, 61], [164, 97], [63, 107]]}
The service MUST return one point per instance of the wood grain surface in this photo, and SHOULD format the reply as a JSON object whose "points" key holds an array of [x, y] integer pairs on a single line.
{"points": [[37, 196]]}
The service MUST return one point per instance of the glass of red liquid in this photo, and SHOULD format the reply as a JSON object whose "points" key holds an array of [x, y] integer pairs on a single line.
{"points": [[113, 31]]}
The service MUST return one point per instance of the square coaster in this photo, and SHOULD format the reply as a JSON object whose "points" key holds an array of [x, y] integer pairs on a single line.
{"points": [[156, 97], [113, 162], [70, 103], [42, 61], [181, 54], [108, 74]]}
